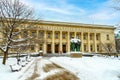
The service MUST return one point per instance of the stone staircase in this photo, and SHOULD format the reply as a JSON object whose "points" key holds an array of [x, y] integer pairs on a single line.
{"points": [[57, 55]]}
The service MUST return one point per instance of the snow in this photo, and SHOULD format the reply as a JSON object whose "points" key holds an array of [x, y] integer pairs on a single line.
{"points": [[86, 68], [20, 40], [42, 63], [15, 67], [75, 52], [91, 68], [44, 75], [7, 74], [4, 48], [75, 40]]}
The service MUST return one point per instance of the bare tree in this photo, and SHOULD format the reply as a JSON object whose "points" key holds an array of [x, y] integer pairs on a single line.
{"points": [[117, 40], [13, 15], [109, 48], [117, 45]]}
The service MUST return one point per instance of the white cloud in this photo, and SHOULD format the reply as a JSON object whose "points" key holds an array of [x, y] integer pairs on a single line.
{"points": [[62, 11], [60, 7], [103, 15]]}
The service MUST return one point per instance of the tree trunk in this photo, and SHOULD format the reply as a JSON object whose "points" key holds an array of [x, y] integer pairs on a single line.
{"points": [[4, 58]]}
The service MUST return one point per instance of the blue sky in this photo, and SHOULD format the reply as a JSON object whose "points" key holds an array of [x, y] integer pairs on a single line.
{"points": [[79, 11]]}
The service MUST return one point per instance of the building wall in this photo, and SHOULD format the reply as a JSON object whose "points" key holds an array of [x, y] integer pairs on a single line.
{"points": [[53, 41], [54, 37]]}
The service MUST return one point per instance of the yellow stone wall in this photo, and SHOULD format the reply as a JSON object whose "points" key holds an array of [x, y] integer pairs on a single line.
{"points": [[67, 30]]}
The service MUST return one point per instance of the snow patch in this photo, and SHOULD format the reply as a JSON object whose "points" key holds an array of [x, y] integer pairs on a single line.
{"points": [[75, 40], [91, 68]]}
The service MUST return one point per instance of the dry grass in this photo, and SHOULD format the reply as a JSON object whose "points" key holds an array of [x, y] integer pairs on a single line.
{"points": [[76, 55], [49, 67], [35, 74], [62, 75]]}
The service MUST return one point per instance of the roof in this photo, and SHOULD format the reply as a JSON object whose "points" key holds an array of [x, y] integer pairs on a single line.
{"points": [[70, 24], [76, 24]]}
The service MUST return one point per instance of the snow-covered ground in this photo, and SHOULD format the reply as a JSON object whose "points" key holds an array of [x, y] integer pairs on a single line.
{"points": [[86, 68], [91, 68], [7, 74]]}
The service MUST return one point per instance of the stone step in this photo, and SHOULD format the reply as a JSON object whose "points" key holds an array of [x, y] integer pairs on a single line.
{"points": [[56, 55]]}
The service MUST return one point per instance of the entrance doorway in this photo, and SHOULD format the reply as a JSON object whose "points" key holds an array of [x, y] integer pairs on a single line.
{"points": [[56, 48], [64, 48], [48, 48]]}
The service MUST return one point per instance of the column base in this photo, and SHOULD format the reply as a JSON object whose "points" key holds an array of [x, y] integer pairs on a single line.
{"points": [[76, 54]]}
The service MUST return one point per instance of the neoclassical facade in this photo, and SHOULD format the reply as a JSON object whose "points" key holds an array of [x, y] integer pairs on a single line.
{"points": [[54, 37]]}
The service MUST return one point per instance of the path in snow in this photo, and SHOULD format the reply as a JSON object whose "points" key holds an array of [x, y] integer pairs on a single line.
{"points": [[60, 73], [31, 72], [35, 74], [44, 69]]}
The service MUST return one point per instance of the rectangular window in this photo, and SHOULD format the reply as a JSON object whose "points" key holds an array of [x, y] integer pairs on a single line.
{"points": [[91, 37], [98, 48], [84, 36], [85, 48], [25, 34], [33, 34], [91, 47], [78, 36], [97, 37], [32, 47], [41, 46], [64, 35], [41, 34], [56, 35], [49, 35], [71, 36]]}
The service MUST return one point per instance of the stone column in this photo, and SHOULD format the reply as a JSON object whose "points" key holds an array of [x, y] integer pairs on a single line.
{"points": [[74, 34], [20, 36], [37, 35], [29, 35], [60, 40], [68, 39], [89, 50], [95, 44], [82, 42], [45, 41], [53, 42], [37, 45]]}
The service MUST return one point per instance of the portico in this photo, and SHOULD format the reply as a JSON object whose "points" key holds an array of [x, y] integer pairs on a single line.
{"points": [[56, 36]]}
